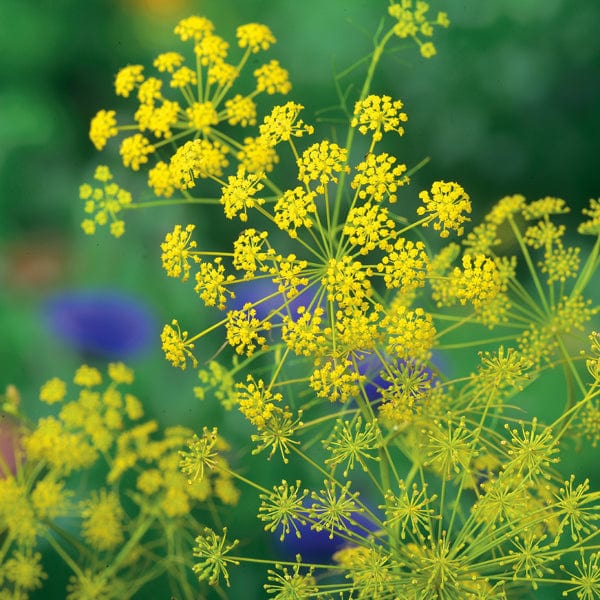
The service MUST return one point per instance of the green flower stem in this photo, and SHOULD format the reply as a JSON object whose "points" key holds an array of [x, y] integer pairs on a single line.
{"points": [[589, 269], [170, 202], [530, 266], [375, 58]]}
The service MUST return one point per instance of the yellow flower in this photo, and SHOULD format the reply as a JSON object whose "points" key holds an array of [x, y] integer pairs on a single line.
{"points": [[369, 227], [241, 110], [211, 49], [53, 391], [405, 265], [120, 373], [446, 204], [177, 250], [479, 281], [193, 27], [272, 78], [25, 570], [168, 61], [176, 346], [159, 180], [283, 123], [377, 113], [211, 282], [103, 517], [134, 151], [257, 155], [293, 210], [127, 78], [87, 376], [410, 334], [202, 116], [102, 127], [238, 195], [321, 162], [49, 498], [244, 331], [377, 178], [346, 281], [248, 252], [255, 37]]}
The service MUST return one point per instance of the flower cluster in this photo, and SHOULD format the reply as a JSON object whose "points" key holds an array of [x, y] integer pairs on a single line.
{"points": [[101, 428], [337, 308]]}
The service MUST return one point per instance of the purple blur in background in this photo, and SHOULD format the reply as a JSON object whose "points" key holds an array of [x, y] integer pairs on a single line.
{"points": [[253, 291], [103, 324], [315, 546], [372, 368]]}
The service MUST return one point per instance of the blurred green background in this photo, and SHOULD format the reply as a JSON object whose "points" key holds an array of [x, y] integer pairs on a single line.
{"points": [[510, 104]]}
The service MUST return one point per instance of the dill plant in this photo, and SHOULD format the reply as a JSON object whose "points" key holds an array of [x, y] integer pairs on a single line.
{"points": [[333, 363]]}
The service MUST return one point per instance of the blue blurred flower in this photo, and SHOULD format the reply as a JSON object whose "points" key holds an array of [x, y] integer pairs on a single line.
{"points": [[101, 323], [317, 547], [378, 379], [269, 299]]}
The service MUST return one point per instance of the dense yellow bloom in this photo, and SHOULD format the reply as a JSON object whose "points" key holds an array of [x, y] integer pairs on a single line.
{"points": [[544, 208], [127, 79], [168, 61], [478, 281], [283, 124], [103, 517], [159, 180], [49, 498], [303, 334], [183, 77], [176, 346], [193, 27], [241, 110], [211, 282], [149, 91], [369, 227], [120, 373], [211, 49], [102, 127], [447, 205], [249, 253], [255, 37], [336, 381], [293, 210], [505, 208], [178, 250], [272, 78], [256, 402], [198, 158], [377, 114], [87, 376], [377, 177], [53, 391], [244, 331], [202, 116], [63, 450], [25, 570], [257, 155], [410, 334], [134, 151], [346, 281], [16, 512], [238, 195], [321, 163], [405, 265]]}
